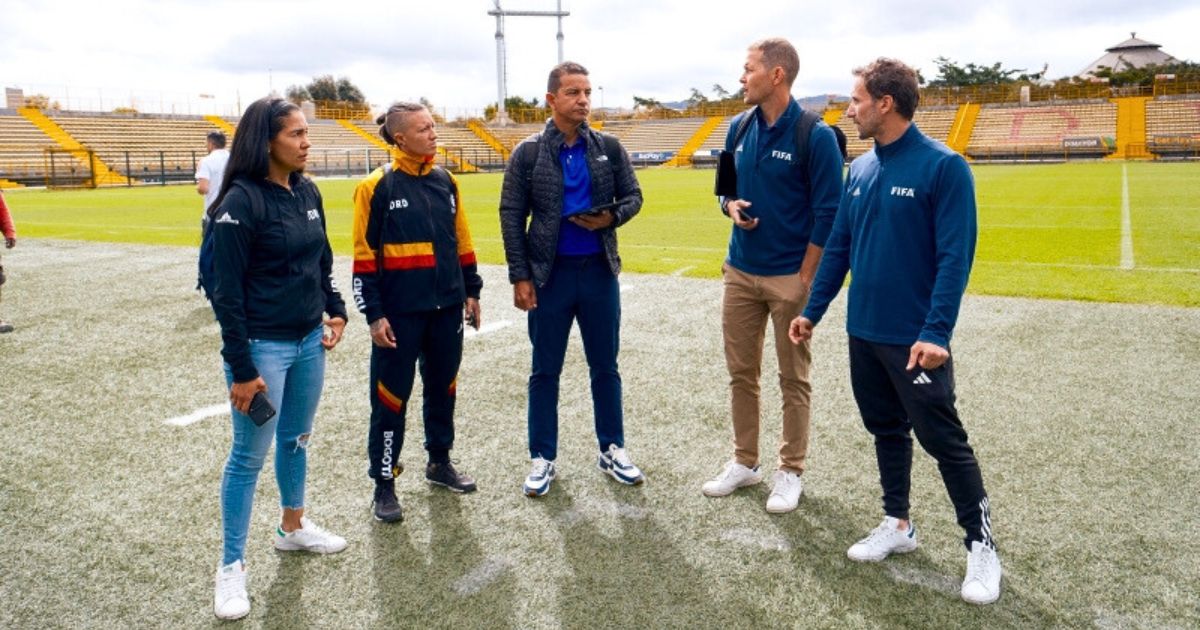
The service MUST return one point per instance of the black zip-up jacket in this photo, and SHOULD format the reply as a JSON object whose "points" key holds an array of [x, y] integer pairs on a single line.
{"points": [[272, 268], [412, 244], [533, 186]]}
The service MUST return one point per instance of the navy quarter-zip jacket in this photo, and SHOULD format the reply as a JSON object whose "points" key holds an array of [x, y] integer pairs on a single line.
{"points": [[906, 232]]}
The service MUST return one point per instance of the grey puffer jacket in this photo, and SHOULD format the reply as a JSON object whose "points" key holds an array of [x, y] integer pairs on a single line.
{"points": [[533, 185]]}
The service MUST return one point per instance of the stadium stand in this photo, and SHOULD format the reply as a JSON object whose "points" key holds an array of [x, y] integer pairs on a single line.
{"points": [[653, 141], [1058, 131], [464, 144], [510, 135], [72, 148], [1173, 127], [338, 150], [716, 140], [25, 152], [149, 148], [935, 122]]}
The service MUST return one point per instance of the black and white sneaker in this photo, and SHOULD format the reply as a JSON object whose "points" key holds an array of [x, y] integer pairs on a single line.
{"points": [[446, 475], [616, 463], [385, 504]]}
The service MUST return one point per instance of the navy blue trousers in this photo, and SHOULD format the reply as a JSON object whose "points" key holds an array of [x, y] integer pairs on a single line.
{"points": [[583, 289]]}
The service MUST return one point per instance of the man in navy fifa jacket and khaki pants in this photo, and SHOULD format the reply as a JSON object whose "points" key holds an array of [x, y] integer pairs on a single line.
{"points": [[788, 187], [906, 231]]}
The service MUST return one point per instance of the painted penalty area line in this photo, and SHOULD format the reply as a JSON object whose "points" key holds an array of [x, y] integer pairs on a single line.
{"points": [[1126, 224], [198, 415], [489, 327]]}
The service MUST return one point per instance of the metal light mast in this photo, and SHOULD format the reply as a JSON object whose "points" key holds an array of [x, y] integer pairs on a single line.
{"points": [[501, 54]]}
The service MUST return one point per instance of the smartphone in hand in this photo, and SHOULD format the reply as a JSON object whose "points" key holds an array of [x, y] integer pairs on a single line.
{"points": [[260, 409]]}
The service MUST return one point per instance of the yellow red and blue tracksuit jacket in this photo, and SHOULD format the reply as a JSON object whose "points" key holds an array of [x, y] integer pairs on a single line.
{"points": [[412, 246]]}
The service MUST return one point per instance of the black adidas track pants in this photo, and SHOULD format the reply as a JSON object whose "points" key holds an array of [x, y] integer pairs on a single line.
{"points": [[895, 402]]}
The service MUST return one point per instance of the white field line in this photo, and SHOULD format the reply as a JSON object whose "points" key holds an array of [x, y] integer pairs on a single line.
{"points": [[489, 327], [198, 415], [1126, 229], [682, 270], [481, 576], [1020, 263], [109, 228], [751, 538]]}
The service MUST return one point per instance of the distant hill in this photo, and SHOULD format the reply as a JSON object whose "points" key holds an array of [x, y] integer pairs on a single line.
{"points": [[815, 103]]}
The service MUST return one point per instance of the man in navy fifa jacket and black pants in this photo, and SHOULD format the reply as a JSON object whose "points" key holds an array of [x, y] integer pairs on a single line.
{"points": [[906, 231], [789, 177]]}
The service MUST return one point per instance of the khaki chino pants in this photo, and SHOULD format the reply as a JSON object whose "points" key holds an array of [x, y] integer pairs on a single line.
{"points": [[747, 302]]}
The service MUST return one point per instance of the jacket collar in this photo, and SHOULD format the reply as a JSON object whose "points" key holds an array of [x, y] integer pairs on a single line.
{"points": [[889, 151], [790, 113], [411, 164], [555, 136]]}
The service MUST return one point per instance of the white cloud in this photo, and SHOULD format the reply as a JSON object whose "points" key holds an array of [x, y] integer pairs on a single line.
{"points": [[173, 51]]}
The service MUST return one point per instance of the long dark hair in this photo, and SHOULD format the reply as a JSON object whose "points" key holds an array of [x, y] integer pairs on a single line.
{"points": [[260, 123]]}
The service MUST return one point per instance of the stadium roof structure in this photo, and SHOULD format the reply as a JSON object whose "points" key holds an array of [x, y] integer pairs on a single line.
{"points": [[1131, 53]]}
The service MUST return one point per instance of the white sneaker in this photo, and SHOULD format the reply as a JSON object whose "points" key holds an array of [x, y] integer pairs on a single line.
{"points": [[310, 537], [230, 600], [733, 477], [541, 473], [982, 584], [785, 492], [883, 541]]}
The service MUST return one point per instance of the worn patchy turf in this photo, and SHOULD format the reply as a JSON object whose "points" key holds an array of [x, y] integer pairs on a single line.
{"points": [[1083, 416]]}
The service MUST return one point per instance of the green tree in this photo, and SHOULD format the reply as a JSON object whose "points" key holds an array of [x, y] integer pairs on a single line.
{"points": [[720, 92], [326, 88], [646, 103], [951, 74], [298, 94], [511, 104]]}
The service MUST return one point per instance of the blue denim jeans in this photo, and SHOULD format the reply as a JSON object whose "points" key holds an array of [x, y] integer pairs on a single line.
{"points": [[295, 373], [580, 288]]}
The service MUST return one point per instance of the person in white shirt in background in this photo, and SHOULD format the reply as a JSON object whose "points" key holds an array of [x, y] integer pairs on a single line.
{"points": [[211, 170]]}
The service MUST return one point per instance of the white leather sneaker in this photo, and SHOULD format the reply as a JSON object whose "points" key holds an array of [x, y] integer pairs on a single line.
{"points": [[982, 583], [883, 541], [230, 600], [310, 537], [733, 477], [785, 492]]}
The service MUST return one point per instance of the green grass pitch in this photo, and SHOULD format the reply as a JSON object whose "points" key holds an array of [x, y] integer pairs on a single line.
{"points": [[1050, 231]]}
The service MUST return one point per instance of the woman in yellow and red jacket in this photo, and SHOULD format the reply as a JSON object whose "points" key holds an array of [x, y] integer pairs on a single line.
{"points": [[415, 278]]}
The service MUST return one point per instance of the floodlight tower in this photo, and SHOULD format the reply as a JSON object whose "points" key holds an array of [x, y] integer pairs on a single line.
{"points": [[501, 55]]}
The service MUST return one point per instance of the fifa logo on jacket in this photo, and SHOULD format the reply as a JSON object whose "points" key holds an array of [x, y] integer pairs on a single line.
{"points": [[781, 155], [898, 191]]}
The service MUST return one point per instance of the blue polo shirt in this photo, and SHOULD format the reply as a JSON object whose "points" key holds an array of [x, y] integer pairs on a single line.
{"points": [[577, 195], [793, 208]]}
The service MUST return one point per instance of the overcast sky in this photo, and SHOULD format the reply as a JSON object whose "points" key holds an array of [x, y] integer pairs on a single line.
{"points": [[166, 54]]}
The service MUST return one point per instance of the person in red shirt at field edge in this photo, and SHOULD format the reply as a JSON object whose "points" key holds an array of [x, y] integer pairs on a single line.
{"points": [[10, 241]]}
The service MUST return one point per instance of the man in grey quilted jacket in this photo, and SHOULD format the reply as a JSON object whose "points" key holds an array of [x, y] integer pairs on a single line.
{"points": [[566, 190]]}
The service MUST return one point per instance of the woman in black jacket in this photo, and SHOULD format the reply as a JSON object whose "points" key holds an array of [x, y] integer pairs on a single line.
{"points": [[273, 287]]}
